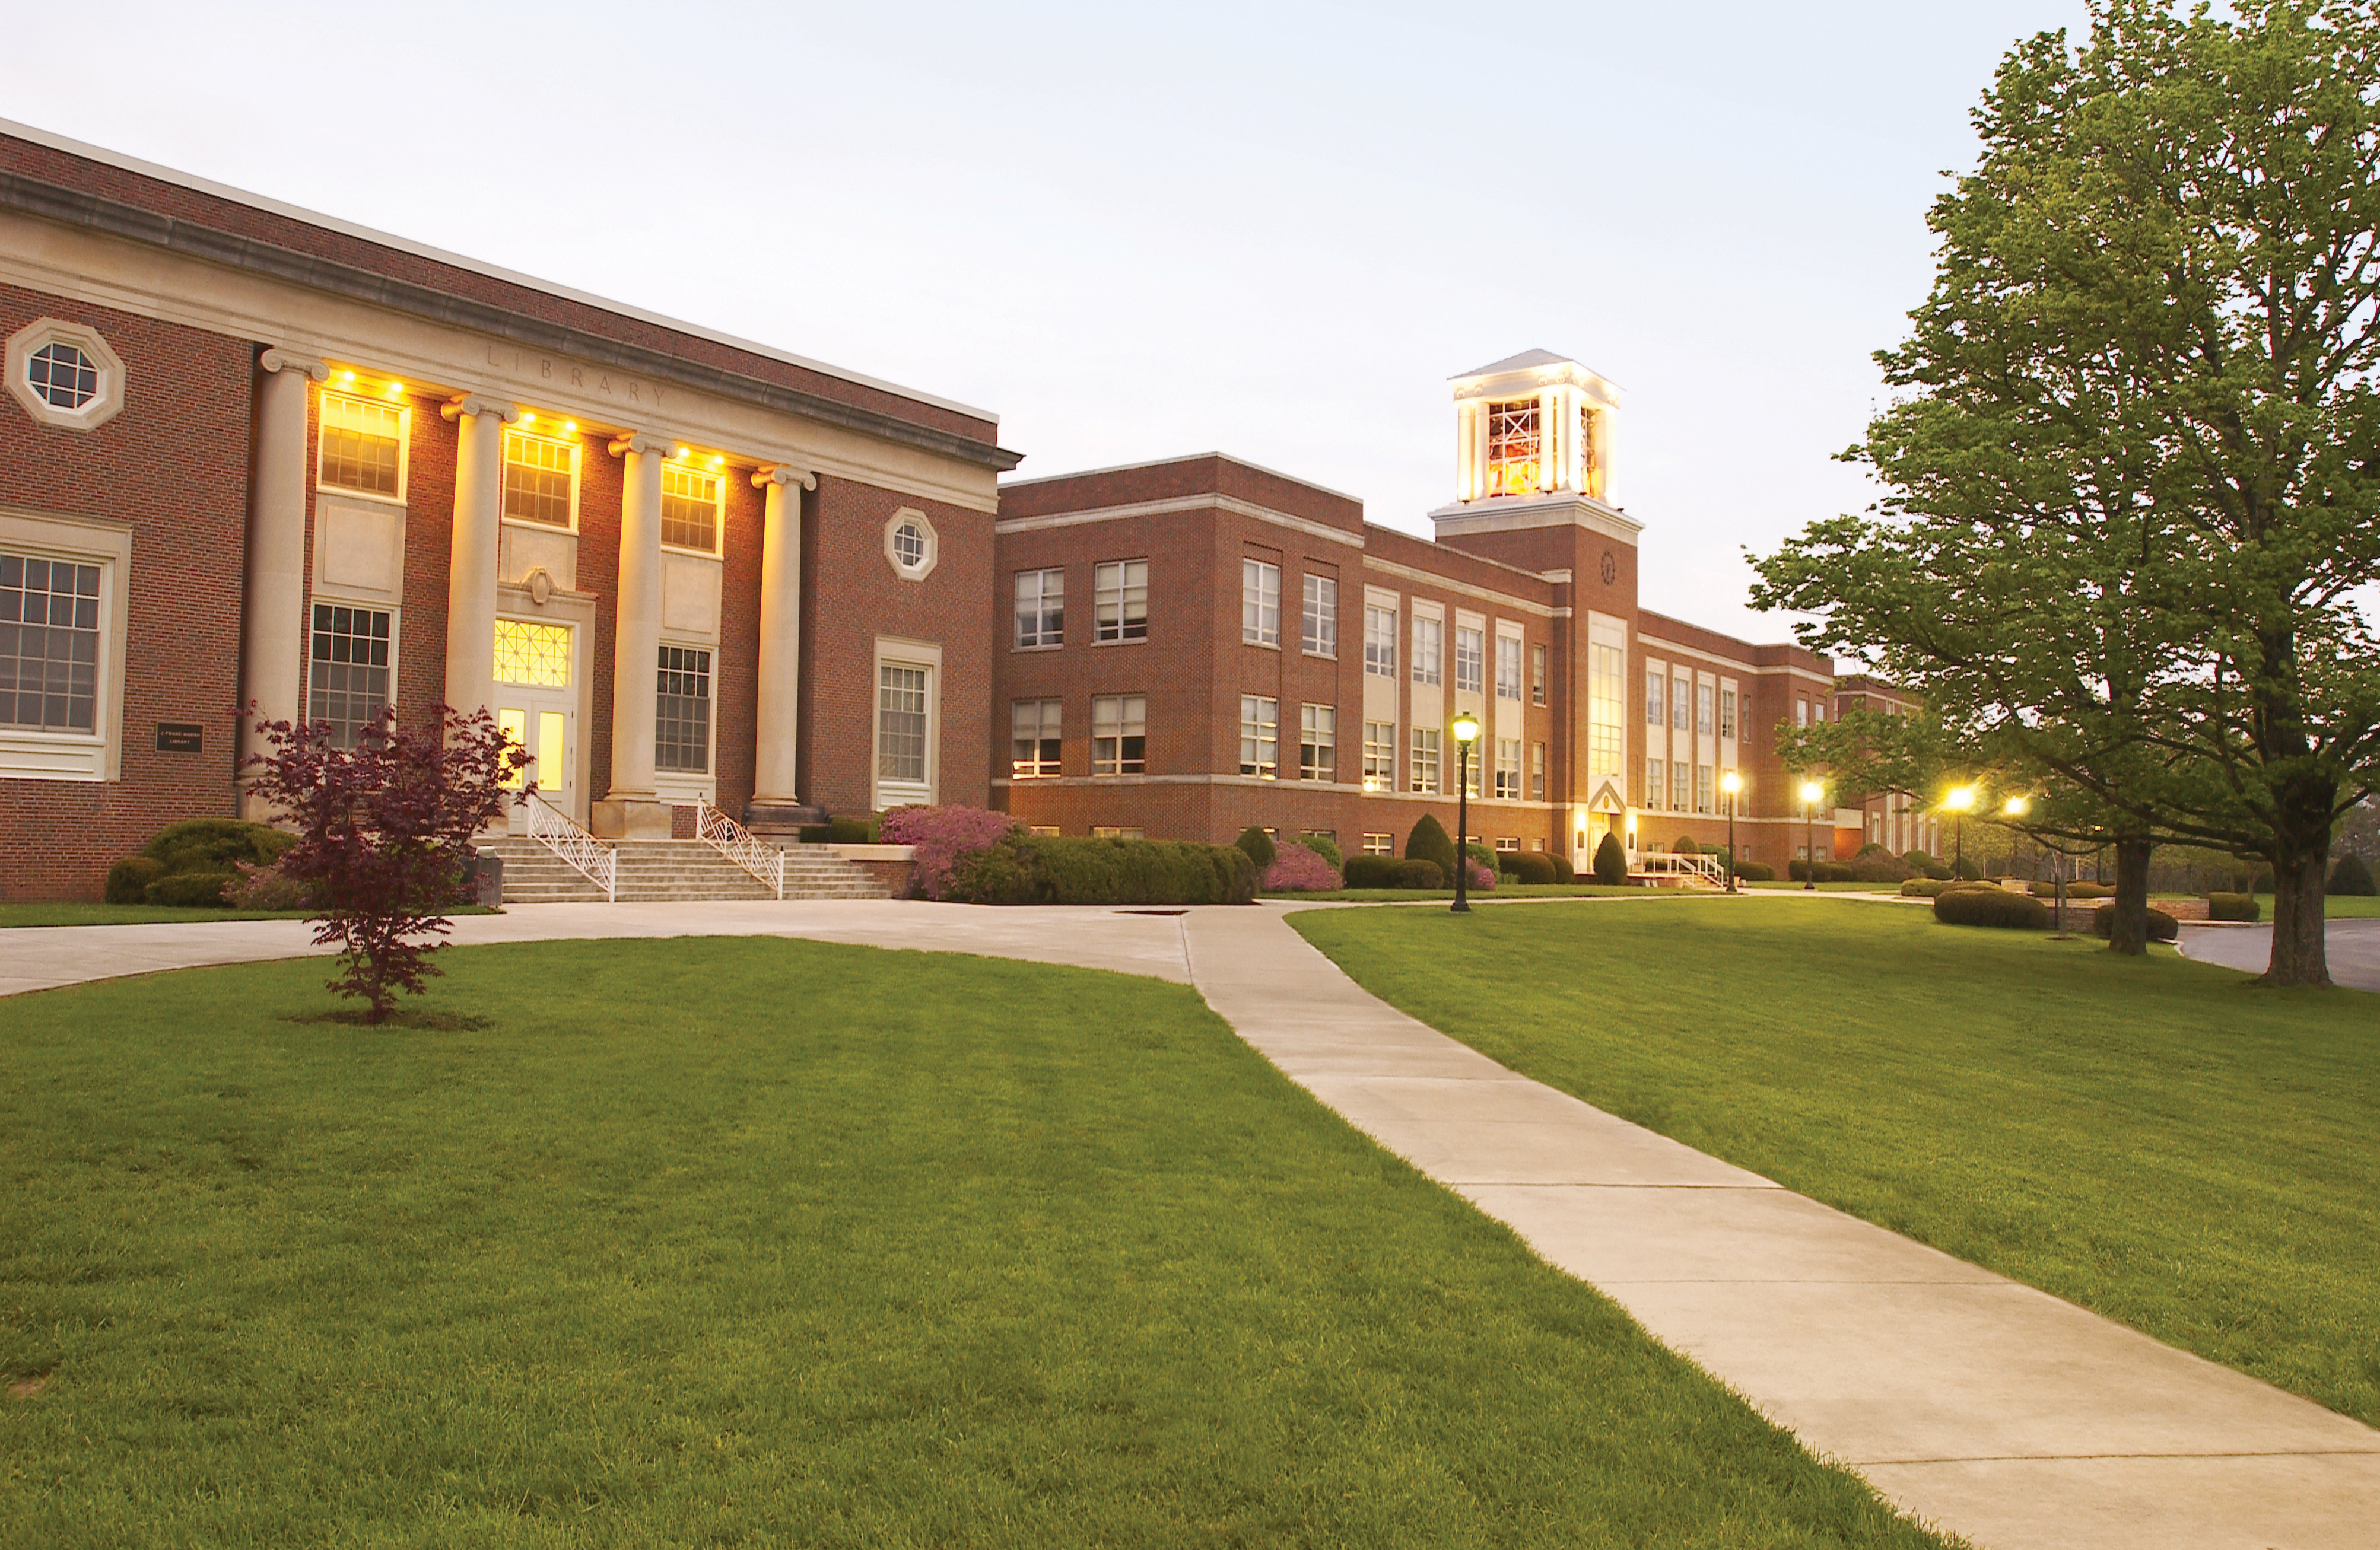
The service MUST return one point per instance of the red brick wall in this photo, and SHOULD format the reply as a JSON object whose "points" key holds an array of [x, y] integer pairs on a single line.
{"points": [[175, 463]]}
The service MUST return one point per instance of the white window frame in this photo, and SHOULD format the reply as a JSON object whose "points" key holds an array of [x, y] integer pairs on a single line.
{"points": [[575, 447], [1427, 752], [1319, 615], [107, 400], [1120, 570], [1260, 734], [1039, 575], [1428, 647], [1657, 783], [334, 599], [1478, 681], [904, 569], [29, 753], [323, 396], [1536, 773], [1537, 675], [1727, 719], [1312, 734], [669, 782], [1259, 580], [1379, 641], [1508, 770], [1706, 709], [1050, 715], [718, 478], [1383, 755], [903, 651], [1379, 845], [1657, 696], [1508, 652], [1120, 719]]}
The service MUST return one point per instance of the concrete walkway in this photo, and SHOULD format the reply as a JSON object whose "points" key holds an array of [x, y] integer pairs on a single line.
{"points": [[2351, 946], [1980, 1405]]}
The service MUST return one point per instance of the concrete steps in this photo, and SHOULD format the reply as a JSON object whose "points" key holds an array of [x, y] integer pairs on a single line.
{"points": [[653, 871]]}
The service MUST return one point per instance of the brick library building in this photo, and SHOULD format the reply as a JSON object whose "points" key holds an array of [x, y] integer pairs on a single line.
{"points": [[252, 454]]}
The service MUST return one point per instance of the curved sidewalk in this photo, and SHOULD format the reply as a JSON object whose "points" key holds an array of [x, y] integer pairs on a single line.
{"points": [[1985, 1407]]}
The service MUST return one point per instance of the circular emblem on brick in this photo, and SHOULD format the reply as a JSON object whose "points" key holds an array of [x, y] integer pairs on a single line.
{"points": [[1610, 568]]}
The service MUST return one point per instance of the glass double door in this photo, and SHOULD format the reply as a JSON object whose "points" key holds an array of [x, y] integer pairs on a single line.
{"points": [[537, 707]]}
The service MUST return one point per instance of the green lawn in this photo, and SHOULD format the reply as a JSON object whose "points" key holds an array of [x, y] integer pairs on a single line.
{"points": [[761, 1242], [1502, 891], [154, 914], [2150, 1138]]}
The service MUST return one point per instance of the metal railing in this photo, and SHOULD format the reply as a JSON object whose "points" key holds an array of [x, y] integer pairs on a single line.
{"points": [[1706, 870], [594, 860], [740, 845]]}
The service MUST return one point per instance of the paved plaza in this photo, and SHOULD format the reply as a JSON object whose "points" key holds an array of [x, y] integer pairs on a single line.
{"points": [[1979, 1404]]}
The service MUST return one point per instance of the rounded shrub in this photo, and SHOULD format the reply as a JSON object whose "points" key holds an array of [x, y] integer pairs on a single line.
{"points": [[1529, 867], [1429, 841], [1389, 871], [1969, 871], [128, 879], [1323, 846], [1257, 846], [1990, 906], [2163, 927], [1919, 863], [1299, 869], [1686, 846], [2351, 879], [1875, 864], [189, 889], [2234, 906], [1828, 872], [214, 844], [1756, 871], [1611, 862], [1564, 873], [1922, 887]]}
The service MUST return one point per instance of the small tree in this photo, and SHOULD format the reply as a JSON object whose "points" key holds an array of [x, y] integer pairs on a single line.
{"points": [[1611, 862], [385, 831], [1258, 846], [1429, 841]]}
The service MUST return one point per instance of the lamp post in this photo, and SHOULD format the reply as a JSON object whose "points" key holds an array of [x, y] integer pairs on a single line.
{"points": [[1466, 732], [1730, 783], [1810, 792], [1959, 801]]}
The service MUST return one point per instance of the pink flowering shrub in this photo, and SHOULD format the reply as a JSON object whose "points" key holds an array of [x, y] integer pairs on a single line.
{"points": [[1481, 877], [944, 836], [1299, 870]]}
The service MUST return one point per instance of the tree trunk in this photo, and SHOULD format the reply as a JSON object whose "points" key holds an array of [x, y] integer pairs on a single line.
{"points": [[2299, 955], [2129, 933]]}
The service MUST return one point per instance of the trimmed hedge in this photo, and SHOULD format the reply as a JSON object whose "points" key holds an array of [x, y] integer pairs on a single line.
{"points": [[1990, 906], [839, 831], [2233, 906], [1875, 863], [1050, 869], [1756, 871], [1527, 866], [190, 889], [209, 850], [2351, 879], [1828, 872], [1323, 846], [2073, 891], [2163, 927], [1611, 862], [1686, 846], [1429, 841], [1257, 846], [128, 879], [1923, 887], [1564, 873], [1389, 871]]}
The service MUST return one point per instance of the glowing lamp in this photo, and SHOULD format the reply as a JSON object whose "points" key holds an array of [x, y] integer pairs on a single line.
{"points": [[528, 417], [1730, 783], [2016, 807], [1812, 791], [1466, 729], [346, 379], [571, 426], [1961, 799]]}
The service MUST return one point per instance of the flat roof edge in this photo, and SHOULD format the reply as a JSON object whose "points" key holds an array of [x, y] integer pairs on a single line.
{"points": [[1181, 457]]}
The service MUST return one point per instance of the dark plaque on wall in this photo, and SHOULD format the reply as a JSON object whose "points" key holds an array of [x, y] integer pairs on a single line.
{"points": [[179, 737]]}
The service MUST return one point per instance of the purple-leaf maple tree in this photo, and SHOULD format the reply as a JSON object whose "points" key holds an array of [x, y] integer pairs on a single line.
{"points": [[385, 831]]}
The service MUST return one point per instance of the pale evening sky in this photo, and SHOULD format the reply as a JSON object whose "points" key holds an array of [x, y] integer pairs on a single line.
{"points": [[1273, 230]]}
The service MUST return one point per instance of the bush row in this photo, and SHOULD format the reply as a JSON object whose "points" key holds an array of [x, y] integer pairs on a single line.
{"points": [[1392, 871], [195, 862], [2233, 906], [1022, 868], [2163, 927], [1973, 903]]}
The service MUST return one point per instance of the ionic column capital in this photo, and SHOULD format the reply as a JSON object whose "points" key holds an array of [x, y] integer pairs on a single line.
{"points": [[290, 360], [783, 473], [475, 404], [646, 442]]}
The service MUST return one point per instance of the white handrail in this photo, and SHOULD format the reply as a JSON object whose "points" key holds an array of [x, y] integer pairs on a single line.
{"points": [[1670, 864], [596, 861], [740, 845]]}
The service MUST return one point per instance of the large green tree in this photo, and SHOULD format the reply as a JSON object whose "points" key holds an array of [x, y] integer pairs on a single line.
{"points": [[2130, 473]]}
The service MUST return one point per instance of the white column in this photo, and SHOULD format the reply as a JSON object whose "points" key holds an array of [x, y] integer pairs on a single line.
{"points": [[779, 668], [631, 809], [471, 565], [1480, 415], [272, 613], [1466, 467], [1549, 438]]}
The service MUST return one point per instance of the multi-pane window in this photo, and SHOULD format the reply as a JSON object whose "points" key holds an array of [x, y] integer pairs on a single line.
{"points": [[1423, 775], [1040, 608], [1034, 738], [1682, 702], [1681, 777], [1800, 712], [1537, 676], [1381, 641], [1470, 659], [1512, 440], [1703, 788], [1321, 631], [49, 644], [1607, 700], [1259, 736], [1317, 743], [1428, 635], [1703, 708], [346, 683], [1109, 832], [1508, 667], [690, 507], [1656, 782], [538, 477], [1727, 712], [1657, 698], [62, 376], [1120, 735], [1379, 845], [682, 717], [1259, 603], [900, 723], [1380, 756], [1536, 773], [363, 446], [1590, 473], [1508, 769], [1121, 600], [1468, 759]]}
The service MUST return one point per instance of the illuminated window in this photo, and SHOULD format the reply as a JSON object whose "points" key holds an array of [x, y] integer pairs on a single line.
{"points": [[1122, 600], [540, 479], [49, 644], [1428, 637], [1259, 736], [531, 653], [348, 681], [1034, 739], [362, 446], [1424, 774], [1259, 603], [1380, 756], [682, 716], [1317, 743], [1120, 735], [690, 507], [1379, 845], [900, 723], [1513, 441], [1537, 676], [1470, 659], [1381, 642], [1507, 845], [1508, 667], [1508, 769], [1040, 608], [1321, 633], [62, 376], [1112, 832]]}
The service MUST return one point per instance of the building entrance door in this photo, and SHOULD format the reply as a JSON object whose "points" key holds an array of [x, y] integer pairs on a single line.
{"points": [[537, 706]]}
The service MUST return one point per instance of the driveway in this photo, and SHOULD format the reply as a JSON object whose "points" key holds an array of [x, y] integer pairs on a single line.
{"points": [[2353, 947]]}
